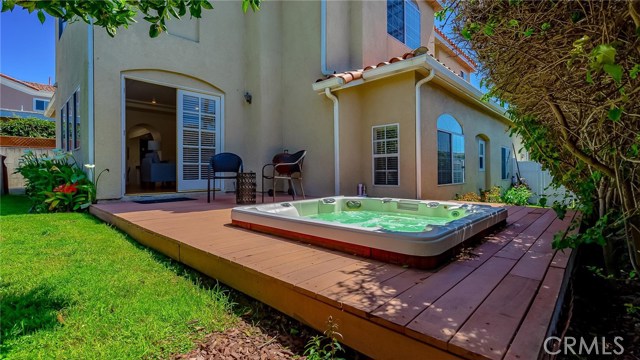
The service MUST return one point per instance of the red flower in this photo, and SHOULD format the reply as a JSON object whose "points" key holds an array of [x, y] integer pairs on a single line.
{"points": [[67, 188]]}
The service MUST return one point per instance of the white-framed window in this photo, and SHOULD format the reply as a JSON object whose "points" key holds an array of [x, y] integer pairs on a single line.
{"points": [[40, 105], [385, 141], [505, 160], [450, 151], [482, 148], [403, 21]]}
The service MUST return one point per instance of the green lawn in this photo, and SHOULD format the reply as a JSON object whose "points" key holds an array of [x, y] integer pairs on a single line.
{"points": [[74, 288]]}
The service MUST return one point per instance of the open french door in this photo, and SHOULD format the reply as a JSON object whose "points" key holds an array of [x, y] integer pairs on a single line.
{"points": [[198, 137]]}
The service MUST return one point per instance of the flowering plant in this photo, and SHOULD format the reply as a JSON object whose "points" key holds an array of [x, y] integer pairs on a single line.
{"points": [[57, 183]]}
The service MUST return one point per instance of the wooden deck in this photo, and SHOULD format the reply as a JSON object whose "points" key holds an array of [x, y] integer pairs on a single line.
{"points": [[496, 304]]}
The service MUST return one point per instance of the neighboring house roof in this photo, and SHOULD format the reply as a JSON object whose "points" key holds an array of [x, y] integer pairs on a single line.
{"points": [[455, 48], [417, 60], [8, 113], [31, 85]]}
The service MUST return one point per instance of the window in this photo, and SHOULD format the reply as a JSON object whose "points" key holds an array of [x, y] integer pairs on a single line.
{"points": [[40, 104], [481, 154], [505, 161], [70, 123], [76, 139], [403, 21], [63, 127], [450, 151], [385, 141], [62, 24], [462, 74]]}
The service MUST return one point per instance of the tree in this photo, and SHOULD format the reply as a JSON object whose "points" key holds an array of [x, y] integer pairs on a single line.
{"points": [[114, 14], [569, 72]]}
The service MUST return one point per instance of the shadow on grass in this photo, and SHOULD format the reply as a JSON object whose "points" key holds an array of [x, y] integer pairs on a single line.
{"points": [[14, 205], [26, 313]]}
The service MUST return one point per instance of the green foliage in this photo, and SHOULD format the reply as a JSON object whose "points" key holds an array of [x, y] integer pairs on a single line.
{"points": [[517, 195], [470, 196], [75, 288], [56, 183], [493, 195], [325, 347], [28, 127], [115, 14]]}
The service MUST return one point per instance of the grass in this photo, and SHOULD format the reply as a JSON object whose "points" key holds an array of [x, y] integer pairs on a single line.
{"points": [[74, 288]]}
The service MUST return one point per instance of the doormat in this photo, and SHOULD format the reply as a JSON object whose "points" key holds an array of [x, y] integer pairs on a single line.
{"points": [[158, 201]]}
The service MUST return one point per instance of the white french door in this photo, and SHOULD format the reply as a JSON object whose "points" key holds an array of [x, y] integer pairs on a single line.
{"points": [[199, 137]]}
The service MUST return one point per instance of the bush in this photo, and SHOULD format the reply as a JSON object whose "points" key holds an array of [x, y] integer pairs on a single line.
{"points": [[28, 127], [56, 183], [493, 195], [470, 196], [517, 195]]}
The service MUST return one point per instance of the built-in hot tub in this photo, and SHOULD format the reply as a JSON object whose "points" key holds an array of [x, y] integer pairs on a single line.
{"points": [[418, 233]]}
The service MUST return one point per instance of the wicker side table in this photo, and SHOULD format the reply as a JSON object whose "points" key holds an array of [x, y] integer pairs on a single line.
{"points": [[246, 188]]}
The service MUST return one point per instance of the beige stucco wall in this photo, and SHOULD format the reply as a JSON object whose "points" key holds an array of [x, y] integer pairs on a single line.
{"points": [[475, 122], [72, 65], [273, 54], [383, 102]]}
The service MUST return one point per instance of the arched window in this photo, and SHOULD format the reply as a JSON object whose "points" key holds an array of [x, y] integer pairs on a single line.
{"points": [[450, 151]]}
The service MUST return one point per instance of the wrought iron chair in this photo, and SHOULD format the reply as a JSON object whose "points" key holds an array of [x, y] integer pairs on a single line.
{"points": [[222, 163], [284, 166]]}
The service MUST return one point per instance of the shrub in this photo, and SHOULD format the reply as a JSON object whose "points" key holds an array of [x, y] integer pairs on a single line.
{"points": [[470, 196], [56, 183], [493, 195], [28, 127], [517, 195]]}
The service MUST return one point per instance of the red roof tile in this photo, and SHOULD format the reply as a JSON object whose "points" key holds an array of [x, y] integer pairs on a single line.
{"points": [[32, 85], [455, 47], [352, 75]]}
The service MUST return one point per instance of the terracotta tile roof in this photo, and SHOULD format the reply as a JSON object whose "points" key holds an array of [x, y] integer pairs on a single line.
{"points": [[352, 75], [455, 47], [33, 85]]}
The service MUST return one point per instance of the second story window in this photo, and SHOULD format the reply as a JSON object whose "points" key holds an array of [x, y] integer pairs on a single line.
{"points": [[40, 105], [403, 21]]}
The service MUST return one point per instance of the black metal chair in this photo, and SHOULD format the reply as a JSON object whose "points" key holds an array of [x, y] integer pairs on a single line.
{"points": [[285, 166], [222, 163]]}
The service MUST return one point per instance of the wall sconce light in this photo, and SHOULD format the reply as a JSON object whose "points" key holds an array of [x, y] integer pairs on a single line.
{"points": [[247, 97], [153, 100]]}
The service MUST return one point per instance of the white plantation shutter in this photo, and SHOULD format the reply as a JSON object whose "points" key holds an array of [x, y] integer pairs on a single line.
{"points": [[198, 138]]}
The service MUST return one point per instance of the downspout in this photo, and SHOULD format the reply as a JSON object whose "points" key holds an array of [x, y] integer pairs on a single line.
{"points": [[336, 139], [323, 38], [90, 118], [432, 74]]}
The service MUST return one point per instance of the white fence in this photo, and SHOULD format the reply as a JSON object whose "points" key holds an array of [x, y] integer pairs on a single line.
{"points": [[539, 181]]}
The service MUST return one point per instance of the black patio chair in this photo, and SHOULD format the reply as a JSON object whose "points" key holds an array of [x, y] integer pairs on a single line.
{"points": [[222, 163], [284, 166]]}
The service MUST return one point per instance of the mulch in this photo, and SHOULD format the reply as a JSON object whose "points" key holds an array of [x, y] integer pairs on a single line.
{"points": [[599, 311], [261, 333]]}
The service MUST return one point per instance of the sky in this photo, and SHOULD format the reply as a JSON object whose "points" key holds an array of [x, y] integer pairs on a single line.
{"points": [[27, 47]]}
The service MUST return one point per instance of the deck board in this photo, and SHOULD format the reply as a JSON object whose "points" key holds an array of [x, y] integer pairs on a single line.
{"points": [[479, 306]]}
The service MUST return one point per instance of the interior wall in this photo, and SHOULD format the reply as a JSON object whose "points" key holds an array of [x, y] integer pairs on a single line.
{"points": [[164, 123]]}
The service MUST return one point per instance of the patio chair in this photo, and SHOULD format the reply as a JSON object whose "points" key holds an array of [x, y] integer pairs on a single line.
{"points": [[222, 163], [284, 166]]}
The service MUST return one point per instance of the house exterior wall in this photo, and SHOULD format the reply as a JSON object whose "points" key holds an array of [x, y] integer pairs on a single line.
{"points": [[384, 102], [13, 99], [72, 73], [475, 123], [274, 55]]}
